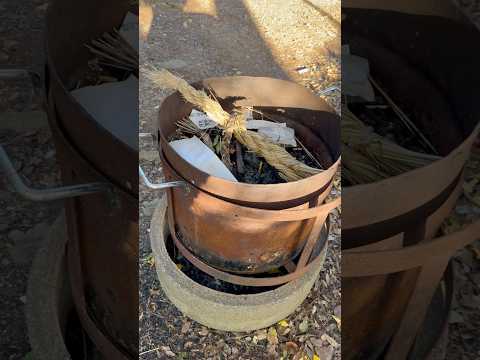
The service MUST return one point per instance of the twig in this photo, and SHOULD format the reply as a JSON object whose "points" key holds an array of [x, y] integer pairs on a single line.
{"points": [[148, 351], [240, 164], [407, 122], [310, 155]]}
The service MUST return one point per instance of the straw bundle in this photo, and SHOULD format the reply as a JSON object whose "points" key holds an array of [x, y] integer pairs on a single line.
{"points": [[113, 50], [368, 157], [288, 167], [187, 126]]}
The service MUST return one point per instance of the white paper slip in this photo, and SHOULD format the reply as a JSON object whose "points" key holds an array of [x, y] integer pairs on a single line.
{"points": [[114, 106], [249, 114], [199, 155], [129, 29], [201, 120], [355, 82], [279, 135], [257, 124]]}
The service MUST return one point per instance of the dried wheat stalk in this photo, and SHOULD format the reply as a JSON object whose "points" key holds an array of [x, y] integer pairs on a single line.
{"points": [[368, 157], [113, 50]]}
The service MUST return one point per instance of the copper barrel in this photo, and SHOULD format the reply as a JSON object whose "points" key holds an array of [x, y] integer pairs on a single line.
{"points": [[216, 222], [408, 209], [102, 229]]}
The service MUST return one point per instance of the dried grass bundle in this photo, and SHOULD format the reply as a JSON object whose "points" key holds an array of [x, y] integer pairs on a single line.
{"points": [[234, 125], [114, 51], [369, 157], [188, 127]]}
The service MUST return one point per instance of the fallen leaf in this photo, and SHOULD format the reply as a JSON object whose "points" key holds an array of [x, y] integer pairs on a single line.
{"points": [[291, 347], [261, 335], [339, 321], [154, 292], [203, 332], [185, 327], [150, 260], [272, 336], [167, 351], [316, 342], [325, 352], [152, 306], [330, 340], [303, 327], [283, 323]]}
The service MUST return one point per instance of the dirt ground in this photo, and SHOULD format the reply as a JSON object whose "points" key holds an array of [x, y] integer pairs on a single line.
{"points": [[282, 39]]}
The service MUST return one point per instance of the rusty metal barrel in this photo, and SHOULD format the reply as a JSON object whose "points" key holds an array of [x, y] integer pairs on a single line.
{"points": [[248, 228], [103, 228], [392, 262]]}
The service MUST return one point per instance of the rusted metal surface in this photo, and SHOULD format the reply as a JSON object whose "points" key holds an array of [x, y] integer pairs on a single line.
{"points": [[103, 254], [431, 258], [319, 213], [246, 228], [390, 264], [102, 235]]}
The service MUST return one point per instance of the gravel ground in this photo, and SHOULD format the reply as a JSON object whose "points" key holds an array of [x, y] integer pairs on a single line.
{"points": [[464, 326], [247, 38]]}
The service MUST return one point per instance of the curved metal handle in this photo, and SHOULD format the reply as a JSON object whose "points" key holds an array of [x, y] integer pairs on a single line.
{"points": [[159, 186], [52, 194]]}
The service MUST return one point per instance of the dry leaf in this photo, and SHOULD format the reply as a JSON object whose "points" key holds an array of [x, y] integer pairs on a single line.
{"points": [[154, 292], [303, 327], [152, 306], [167, 351], [330, 340], [338, 320], [261, 335], [203, 332], [291, 347], [272, 336], [283, 323], [150, 260], [185, 327]]}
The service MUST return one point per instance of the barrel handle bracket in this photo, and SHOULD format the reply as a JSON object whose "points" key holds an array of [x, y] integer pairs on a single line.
{"points": [[51, 194], [160, 186]]}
